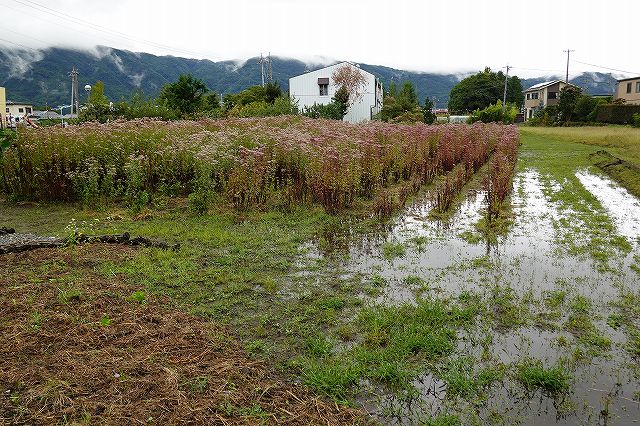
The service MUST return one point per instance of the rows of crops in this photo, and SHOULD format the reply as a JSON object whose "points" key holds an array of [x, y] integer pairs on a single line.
{"points": [[249, 161]]}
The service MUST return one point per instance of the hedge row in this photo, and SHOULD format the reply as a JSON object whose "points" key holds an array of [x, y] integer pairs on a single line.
{"points": [[617, 114]]}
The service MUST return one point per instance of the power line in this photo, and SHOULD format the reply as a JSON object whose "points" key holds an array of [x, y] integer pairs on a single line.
{"points": [[607, 68], [70, 18]]}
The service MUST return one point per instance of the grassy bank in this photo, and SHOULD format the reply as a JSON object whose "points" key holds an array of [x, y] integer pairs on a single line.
{"points": [[621, 141]]}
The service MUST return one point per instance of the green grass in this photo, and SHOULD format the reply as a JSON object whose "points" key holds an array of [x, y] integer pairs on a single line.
{"points": [[584, 227], [534, 376], [391, 250], [622, 141]]}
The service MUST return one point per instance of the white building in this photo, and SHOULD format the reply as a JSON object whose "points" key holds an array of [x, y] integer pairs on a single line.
{"points": [[317, 87]]}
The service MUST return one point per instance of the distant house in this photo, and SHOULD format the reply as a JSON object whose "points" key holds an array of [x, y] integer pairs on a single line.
{"points": [[542, 94], [317, 87], [16, 111], [3, 108], [629, 90]]}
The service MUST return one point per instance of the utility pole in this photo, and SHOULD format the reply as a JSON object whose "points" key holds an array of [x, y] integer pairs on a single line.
{"points": [[506, 79], [74, 90], [568, 53]]}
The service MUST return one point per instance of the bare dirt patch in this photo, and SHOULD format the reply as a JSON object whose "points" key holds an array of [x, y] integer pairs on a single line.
{"points": [[79, 348]]}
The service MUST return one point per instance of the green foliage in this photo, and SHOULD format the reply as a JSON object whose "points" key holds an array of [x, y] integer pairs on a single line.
{"points": [[495, 113], [335, 110], [7, 137], [185, 95], [281, 106], [534, 376], [211, 101], [483, 89], [403, 106], [617, 113], [546, 116], [636, 119], [97, 107], [272, 92], [569, 96], [428, 116], [585, 108], [139, 106]]}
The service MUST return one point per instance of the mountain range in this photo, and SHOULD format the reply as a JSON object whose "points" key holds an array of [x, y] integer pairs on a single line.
{"points": [[41, 77]]}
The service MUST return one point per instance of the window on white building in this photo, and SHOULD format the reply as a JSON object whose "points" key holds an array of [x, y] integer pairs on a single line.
{"points": [[528, 96], [28, 110], [323, 86], [20, 109], [552, 95], [638, 87], [628, 87]]}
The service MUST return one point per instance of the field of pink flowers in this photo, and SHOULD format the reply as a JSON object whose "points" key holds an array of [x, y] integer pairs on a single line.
{"points": [[253, 161]]}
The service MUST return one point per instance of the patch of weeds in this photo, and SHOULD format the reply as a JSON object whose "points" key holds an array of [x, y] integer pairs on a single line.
{"points": [[105, 321], [68, 295], [420, 241], [615, 321], [413, 280], [35, 320], [534, 376], [465, 380], [554, 298], [442, 420], [318, 346], [334, 377], [197, 384], [256, 347], [508, 312], [378, 280], [137, 296], [391, 250]]}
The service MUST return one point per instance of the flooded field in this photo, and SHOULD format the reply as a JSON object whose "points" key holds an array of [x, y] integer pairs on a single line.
{"points": [[552, 292]]}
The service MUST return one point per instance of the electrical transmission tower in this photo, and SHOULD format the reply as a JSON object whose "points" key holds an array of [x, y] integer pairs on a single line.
{"points": [[266, 68], [75, 103]]}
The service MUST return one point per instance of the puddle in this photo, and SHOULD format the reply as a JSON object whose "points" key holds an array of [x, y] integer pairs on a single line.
{"points": [[594, 385], [432, 258], [622, 206]]}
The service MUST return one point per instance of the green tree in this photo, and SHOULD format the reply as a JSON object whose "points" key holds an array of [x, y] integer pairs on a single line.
{"points": [[403, 106], [428, 116], [569, 96], [341, 98], [97, 106], [480, 90], [585, 105], [272, 92], [185, 95], [211, 101], [407, 97]]}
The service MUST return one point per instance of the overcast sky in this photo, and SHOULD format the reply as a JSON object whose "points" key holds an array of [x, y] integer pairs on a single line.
{"points": [[440, 36]]}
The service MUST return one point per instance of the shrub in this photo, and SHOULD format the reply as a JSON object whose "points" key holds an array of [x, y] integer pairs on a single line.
{"points": [[495, 113], [617, 113], [636, 119]]}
